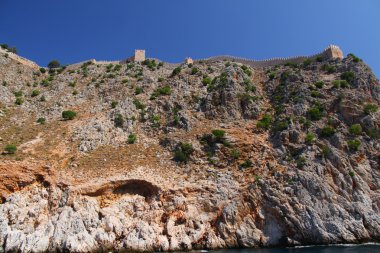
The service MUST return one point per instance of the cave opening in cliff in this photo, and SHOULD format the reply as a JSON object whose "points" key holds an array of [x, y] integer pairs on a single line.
{"points": [[137, 187]]}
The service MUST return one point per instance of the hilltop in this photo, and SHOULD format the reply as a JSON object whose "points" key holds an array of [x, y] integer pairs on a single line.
{"points": [[151, 156]]}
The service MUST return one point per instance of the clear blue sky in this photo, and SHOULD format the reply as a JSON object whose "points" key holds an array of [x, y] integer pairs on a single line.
{"points": [[77, 30]]}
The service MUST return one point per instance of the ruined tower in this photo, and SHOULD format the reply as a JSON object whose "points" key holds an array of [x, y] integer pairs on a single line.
{"points": [[333, 52], [139, 55]]}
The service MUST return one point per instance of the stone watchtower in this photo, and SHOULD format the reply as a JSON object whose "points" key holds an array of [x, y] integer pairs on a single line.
{"points": [[188, 60], [139, 55], [333, 52]]}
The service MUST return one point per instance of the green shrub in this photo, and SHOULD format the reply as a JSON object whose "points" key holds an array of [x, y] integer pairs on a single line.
{"points": [[75, 92], [138, 104], [183, 152], [272, 75], [354, 144], [139, 90], [132, 138], [114, 104], [306, 62], [248, 163], [194, 70], [349, 76], [319, 59], [327, 131], [218, 134], [206, 80], [301, 162], [19, 101], [119, 120], [35, 93], [69, 115], [280, 126], [235, 154], [265, 122], [18, 93], [354, 57], [41, 121], [374, 133], [160, 79], [355, 129], [10, 148], [370, 108], [165, 90], [54, 64], [176, 71], [351, 173], [319, 84], [315, 94], [315, 113], [310, 138], [72, 84], [326, 150], [42, 70], [329, 68]]}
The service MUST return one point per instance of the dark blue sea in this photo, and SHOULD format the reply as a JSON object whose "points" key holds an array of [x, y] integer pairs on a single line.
{"points": [[363, 248]]}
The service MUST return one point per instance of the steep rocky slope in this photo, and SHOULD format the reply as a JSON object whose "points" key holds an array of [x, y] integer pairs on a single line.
{"points": [[163, 157]]}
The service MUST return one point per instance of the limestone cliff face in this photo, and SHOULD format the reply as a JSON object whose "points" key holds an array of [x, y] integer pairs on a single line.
{"points": [[294, 160]]}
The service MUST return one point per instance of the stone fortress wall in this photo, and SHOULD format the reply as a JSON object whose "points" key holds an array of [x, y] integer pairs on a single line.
{"points": [[331, 52], [19, 59]]}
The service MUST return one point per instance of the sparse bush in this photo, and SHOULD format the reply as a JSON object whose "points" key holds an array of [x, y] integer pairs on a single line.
{"points": [[176, 71], [218, 134], [354, 57], [72, 84], [183, 152], [41, 121], [310, 138], [370, 108], [160, 79], [19, 101], [35, 93], [315, 94], [138, 104], [355, 129], [351, 173], [319, 84], [132, 138], [18, 93], [306, 62], [43, 70], [315, 113], [206, 80], [75, 92], [54, 64], [248, 163], [10, 148], [280, 126], [329, 68], [374, 133], [194, 70], [301, 162], [119, 120], [265, 122], [349, 76], [327, 131], [326, 150], [354, 144], [272, 75], [235, 154], [139, 90], [165, 90], [69, 115], [114, 104]]}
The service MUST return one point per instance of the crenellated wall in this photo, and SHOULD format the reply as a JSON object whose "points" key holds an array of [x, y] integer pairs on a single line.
{"points": [[19, 59], [331, 52]]}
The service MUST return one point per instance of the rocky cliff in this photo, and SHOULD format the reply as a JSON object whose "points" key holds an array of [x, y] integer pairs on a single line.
{"points": [[155, 157]]}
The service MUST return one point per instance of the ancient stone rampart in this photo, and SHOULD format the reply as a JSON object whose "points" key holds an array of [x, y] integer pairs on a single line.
{"points": [[331, 52], [19, 59]]}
